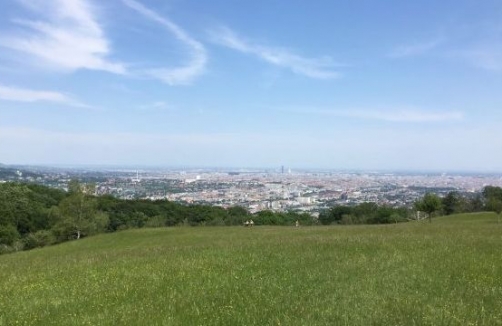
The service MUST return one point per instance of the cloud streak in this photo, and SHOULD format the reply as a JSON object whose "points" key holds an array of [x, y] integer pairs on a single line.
{"points": [[181, 75], [318, 68], [66, 36], [16, 94], [415, 49], [475, 48]]}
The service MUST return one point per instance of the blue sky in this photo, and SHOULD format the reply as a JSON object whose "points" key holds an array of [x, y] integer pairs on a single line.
{"points": [[378, 85]]}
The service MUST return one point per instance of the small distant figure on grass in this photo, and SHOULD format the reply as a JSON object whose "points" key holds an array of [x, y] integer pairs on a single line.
{"points": [[246, 223], [251, 223], [297, 223]]}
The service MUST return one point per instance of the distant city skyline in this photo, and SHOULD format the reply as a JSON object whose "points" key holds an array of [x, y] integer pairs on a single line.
{"points": [[331, 85]]}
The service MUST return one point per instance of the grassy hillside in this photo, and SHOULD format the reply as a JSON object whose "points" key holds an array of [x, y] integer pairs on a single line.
{"points": [[448, 272]]}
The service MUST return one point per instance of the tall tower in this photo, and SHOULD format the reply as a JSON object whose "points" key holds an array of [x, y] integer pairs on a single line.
{"points": [[137, 177]]}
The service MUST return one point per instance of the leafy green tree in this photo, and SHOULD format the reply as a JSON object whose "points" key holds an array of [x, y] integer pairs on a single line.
{"points": [[237, 215], [15, 207], [386, 215], [78, 214], [451, 203], [429, 204], [348, 219], [265, 217], [8, 234], [492, 192], [475, 204], [334, 214], [366, 212], [493, 200], [40, 238], [495, 205]]}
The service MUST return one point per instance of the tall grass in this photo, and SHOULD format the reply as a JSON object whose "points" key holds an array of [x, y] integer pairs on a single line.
{"points": [[448, 272]]}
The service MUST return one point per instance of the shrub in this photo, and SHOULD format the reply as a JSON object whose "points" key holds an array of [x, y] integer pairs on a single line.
{"points": [[8, 234], [40, 238], [5, 249]]}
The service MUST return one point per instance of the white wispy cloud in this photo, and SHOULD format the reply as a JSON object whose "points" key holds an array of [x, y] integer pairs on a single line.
{"points": [[319, 68], [65, 35], [479, 46], [400, 115], [414, 49], [180, 75], [16, 94]]}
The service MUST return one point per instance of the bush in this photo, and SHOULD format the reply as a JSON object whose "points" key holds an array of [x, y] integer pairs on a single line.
{"points": [[5, 249], [218, 221], [40, 238], [8, 234], [155, 222]]}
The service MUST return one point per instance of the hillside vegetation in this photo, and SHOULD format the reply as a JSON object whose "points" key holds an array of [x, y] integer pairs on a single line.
{"points": [[444, 273], [34, 216]]}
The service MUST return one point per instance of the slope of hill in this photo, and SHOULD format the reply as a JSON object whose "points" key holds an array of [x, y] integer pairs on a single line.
{"points": [[445, 272]]}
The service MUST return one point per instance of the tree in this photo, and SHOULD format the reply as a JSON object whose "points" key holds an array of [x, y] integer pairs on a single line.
{"points": [[492, 192], [237, 215], [334, 214], [429, 204], [78, 214], [15, 207], [451, 203], [366, 213], [495, 205], [8, 234], [493, 200], [475, 204]]}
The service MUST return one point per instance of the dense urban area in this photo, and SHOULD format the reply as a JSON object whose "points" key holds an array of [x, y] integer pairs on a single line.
{"points": [[278, 190], [41, 206]]}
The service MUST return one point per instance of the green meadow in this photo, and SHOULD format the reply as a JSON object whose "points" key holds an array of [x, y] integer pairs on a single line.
{"points": [[448, 272]]}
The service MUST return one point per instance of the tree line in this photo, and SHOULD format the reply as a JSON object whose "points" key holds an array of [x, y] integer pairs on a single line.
{"points": [[490, 199], [33, 216], [431, 205]]}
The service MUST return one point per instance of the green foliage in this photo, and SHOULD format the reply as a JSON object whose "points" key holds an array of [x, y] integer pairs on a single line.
{"points": [[236, 215], [365, 213], [493, 198], [8, 234], [265, 217], [155, 222], [429, 204], [451, 203], [5, 249], [494, 205], [40, 238], [334, 215], [491, 192], [78, 214], [15, 208], [26, 210], [26, 206]]}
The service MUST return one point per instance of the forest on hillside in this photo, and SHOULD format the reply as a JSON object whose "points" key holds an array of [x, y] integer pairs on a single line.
{"points": [[33, 216]]}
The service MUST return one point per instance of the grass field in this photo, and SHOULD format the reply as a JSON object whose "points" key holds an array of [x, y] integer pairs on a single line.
{"points": [[448, 272]]}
